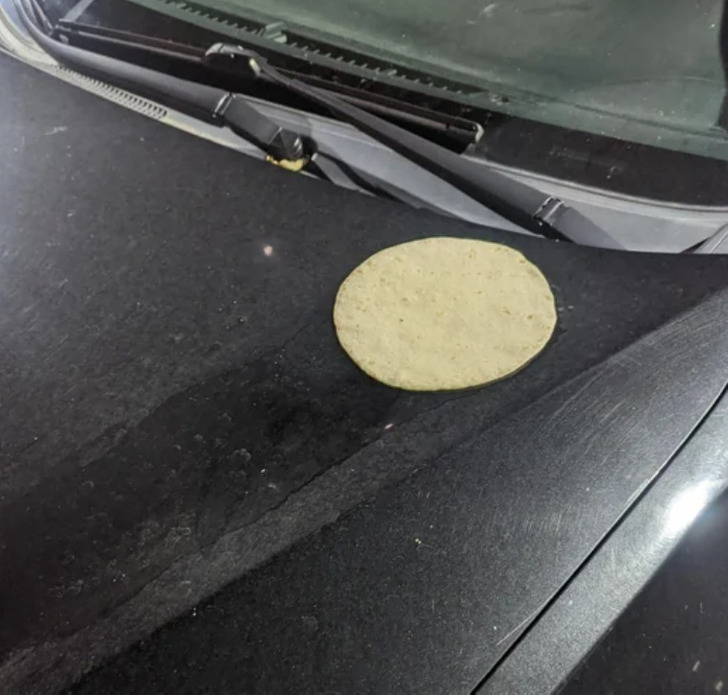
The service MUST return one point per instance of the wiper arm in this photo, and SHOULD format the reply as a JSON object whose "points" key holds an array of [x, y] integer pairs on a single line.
{"points": [[522, 204]]}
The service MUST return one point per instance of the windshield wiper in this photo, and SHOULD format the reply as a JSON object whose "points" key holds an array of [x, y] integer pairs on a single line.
{"points": [[454, 131], [517, 202]]}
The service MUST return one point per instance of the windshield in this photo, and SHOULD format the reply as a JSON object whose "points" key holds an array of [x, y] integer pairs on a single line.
{"points": [[638, 70]]}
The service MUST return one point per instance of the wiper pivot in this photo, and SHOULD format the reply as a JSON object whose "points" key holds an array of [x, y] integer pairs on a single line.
{"points": [[245, 121]]}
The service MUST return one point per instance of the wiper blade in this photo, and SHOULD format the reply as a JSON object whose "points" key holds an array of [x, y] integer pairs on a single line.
{"points": [[522, 204]]}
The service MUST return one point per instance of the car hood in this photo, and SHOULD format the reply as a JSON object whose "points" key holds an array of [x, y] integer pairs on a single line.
{"points": [[180, 425]]}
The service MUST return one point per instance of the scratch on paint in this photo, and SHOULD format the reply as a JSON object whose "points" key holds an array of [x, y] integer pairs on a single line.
{"points": [[524, 622]]}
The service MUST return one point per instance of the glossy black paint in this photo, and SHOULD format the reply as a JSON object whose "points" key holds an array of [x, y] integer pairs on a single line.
{"points": [[176, 412], [586, 608], [674, 633]]}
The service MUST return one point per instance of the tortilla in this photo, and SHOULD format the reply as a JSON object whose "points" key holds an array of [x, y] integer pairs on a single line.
{"points": [[442, 314]]}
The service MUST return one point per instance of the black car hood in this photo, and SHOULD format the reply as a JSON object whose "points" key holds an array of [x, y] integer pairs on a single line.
{"points": [[177, 417]]}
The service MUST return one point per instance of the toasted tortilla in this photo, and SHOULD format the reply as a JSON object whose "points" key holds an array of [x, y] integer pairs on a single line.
{"points": [[442, 314]]}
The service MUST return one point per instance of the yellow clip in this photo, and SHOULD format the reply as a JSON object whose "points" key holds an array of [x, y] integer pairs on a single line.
{"points": [[288, 164]]}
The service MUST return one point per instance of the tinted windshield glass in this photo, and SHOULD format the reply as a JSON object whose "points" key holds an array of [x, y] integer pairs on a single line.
{"points": [[644, 71]]}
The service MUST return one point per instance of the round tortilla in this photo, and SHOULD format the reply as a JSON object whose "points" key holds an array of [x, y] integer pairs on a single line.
{"points": [[443, 313]]}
